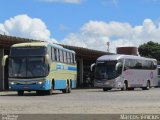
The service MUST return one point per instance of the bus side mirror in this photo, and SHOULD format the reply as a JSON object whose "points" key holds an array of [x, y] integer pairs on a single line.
{"points": [[93, 66], [119, 67], [4, 60], [47, 59]]}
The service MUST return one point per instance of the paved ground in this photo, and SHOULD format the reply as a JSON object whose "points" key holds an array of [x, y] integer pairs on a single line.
{"points": [[83, 101]]}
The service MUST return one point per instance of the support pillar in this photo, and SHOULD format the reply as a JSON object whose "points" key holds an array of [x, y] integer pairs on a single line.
{"points": [[81, 71], [1, 71]]}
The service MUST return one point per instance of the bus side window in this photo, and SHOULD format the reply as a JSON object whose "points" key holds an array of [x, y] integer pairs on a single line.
{"points": [[53, 54], [149, 65], [144, 64], [126, 66], [68, 57], [65, 56], [58, 55], [61, 55], [71, 58], [133, 64], [138, 64], [50, 52]]}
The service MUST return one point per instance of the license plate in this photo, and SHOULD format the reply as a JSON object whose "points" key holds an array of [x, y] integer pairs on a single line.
{"points": [[25, 87], [107, 83]]}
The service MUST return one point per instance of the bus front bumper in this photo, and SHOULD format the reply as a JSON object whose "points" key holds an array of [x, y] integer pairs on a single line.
{"points": [[46, 85]]}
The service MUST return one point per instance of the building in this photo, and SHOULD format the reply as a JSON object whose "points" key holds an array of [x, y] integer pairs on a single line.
{"points": [[85, 57]]}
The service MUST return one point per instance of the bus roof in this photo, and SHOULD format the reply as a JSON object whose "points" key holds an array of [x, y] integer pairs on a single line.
{"points": [[120, 56], [45, 44], [30, 44]]}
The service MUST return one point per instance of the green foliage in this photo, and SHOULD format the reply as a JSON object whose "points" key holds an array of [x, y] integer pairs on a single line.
{"points": [[150, 49]]}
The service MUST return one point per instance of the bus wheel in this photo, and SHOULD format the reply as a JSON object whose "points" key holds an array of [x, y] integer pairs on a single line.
{"points": [[106, 89], [39, 92], [130, 88], [49, 92], [65, 90], [20, 93], [147, 87], [125, 86], [68, 88]]}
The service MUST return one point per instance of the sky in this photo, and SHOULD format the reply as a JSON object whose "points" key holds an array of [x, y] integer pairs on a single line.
{"points": [[83, 23]]}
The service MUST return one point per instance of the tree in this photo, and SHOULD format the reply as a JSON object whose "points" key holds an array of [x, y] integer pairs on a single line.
{"points": [[150, 49]]}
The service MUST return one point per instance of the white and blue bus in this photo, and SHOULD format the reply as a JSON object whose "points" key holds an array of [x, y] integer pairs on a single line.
{"points": [[125, 72], [41, 67]]}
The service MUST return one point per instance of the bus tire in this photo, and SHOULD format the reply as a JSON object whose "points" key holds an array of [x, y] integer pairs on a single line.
{"points": [[66, 90], [106, 89], [39, 92], [125, 86], [147, 86], [70, 87], [130, 89], [20, 93], [49, 92]]}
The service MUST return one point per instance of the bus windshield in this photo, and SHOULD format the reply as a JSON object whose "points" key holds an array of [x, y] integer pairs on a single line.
{"points": [[105, 70], [23, 67]]}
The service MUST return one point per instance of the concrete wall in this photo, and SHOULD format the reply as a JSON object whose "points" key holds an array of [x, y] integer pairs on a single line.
{"points": [[1, 71]]}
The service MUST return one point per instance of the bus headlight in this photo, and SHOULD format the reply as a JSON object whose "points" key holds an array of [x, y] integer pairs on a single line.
{"points": [[40, 82], [12, 83]]}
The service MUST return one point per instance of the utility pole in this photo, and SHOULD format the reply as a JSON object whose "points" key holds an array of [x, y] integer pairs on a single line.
{"points": [[108, 43]]}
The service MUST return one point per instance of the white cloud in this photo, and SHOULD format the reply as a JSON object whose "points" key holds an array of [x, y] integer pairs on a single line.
{"points": [[64, 1], [95, 35], [27, 27], [110, 2]]}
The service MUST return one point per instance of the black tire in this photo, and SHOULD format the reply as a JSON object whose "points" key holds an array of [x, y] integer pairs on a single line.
{"points": [[147, 86], [49, 92], [130, 88], [125, 87], [67, 89], [40, 92], [106, 89], [20, 93], [70, 87]]}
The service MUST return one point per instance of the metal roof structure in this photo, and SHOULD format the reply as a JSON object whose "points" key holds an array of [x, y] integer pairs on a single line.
{"points": [[86, 53], [7, 41]]}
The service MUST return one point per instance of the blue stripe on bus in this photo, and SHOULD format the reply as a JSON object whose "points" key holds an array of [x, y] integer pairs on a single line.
{"points": [[72, 68], [74, 83], [63, 67], [60, 84]]}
